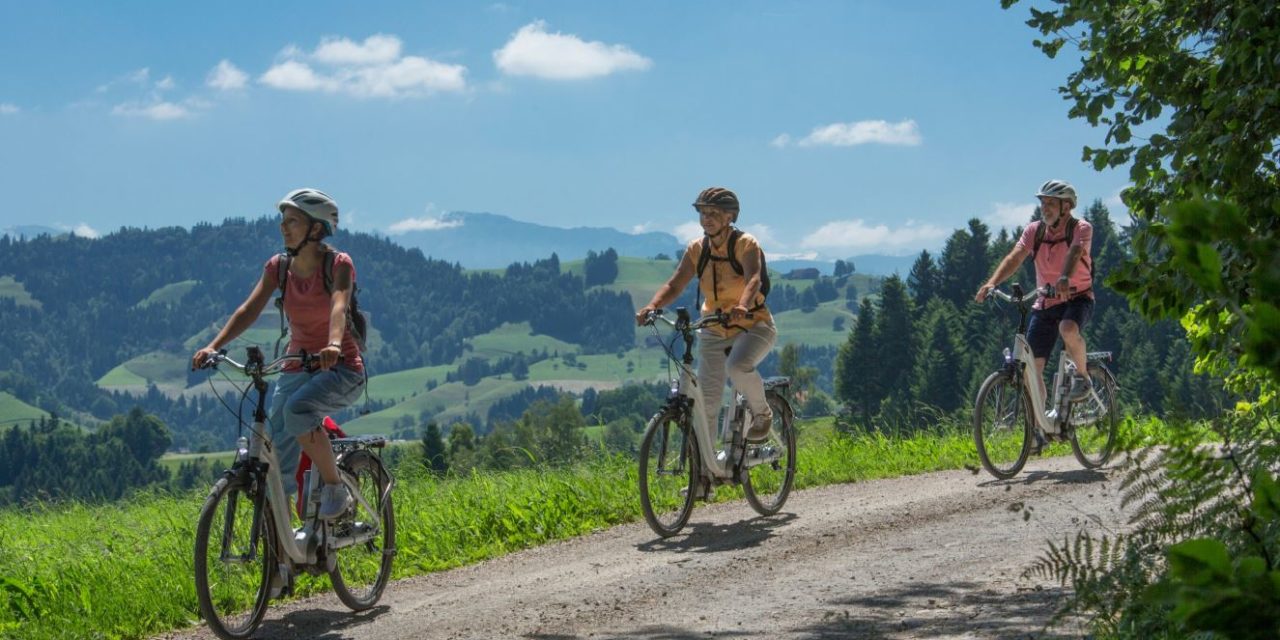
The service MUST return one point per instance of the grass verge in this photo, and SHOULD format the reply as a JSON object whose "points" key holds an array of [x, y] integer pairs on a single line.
{"points": [[124, 570]]}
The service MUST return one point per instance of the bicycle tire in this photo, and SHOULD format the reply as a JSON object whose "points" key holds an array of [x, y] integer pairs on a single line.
{"points": [[997, 436], [663, 475], [767, 486], [1093, 443], [360, 572], [227, 584]]}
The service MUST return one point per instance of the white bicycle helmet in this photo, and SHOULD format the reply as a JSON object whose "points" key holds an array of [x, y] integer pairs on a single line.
{"points": [[1058, 189], [316, 204]]}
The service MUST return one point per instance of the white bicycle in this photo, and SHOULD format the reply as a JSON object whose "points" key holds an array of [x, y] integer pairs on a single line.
{"points": [[245, 538], [1010, 407], [679, 460]]}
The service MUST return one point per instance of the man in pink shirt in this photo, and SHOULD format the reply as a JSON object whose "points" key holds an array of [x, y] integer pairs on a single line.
{"points": [[1063, 262]]}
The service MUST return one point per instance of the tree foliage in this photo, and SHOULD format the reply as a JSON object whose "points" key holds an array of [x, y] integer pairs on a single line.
{"points": [[1188, 92]]}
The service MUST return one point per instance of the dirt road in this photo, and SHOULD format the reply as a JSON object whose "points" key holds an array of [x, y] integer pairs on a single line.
{"points": [[932, 556]]}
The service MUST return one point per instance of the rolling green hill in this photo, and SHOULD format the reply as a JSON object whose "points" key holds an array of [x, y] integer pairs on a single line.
{"points": [[11, 288], [14, 411], [168, 294]]}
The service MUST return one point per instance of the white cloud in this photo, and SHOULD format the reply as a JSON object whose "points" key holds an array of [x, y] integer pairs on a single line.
{"points": [[859, 236], [423, 224], [688, 231], [848, 134], [370, 69], [804, 255], [227, 77], [7, 109], [1114, 203], [376, 49], [292, 75], [640, 228], [154, 111], [165, 83], [762, 233], [1011, 214], [532, 51], [82, 230]]}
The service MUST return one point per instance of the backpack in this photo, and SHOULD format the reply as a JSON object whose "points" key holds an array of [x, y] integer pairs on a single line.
{"points": [[1071, 231], [357, 320], [732, 258]]}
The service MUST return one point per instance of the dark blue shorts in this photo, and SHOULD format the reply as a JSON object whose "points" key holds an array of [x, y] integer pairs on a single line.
{"points": [[1042, 332]]}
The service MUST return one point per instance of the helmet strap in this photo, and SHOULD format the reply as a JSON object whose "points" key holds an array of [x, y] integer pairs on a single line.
{"points": [[293, 251]]}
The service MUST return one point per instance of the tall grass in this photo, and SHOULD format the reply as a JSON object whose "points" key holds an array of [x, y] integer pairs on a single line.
{"points": [[125, 570]]}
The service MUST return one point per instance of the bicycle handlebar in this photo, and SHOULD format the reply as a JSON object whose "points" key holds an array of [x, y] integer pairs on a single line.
{"points": [[719, 317], [261, 369], [1047, 291]]}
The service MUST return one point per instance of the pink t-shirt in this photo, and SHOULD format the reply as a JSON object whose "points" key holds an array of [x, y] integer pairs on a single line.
{"points": [[307, 305], [1053, 253]]}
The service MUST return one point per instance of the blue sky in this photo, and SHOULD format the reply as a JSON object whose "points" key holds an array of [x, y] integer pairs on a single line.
{"points": [[846, 127]]}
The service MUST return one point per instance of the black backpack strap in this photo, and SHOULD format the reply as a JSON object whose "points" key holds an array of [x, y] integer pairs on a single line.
{"points": [[734, 236], [704, 256], [282, 272], [327, 266], [282, 279]]}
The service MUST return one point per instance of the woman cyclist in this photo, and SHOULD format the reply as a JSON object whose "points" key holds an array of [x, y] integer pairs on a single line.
{"points": [[731, 282], [317, 325]]}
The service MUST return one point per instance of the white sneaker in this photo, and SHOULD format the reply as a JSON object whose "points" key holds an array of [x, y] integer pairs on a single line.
{"points": [[334, 501], [760, 426]]}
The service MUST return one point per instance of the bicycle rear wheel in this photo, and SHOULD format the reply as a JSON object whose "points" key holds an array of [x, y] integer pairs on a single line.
{"points": [[768, 483], [234, 558], [1001, 425], [1096, 421], [668, 472], [360, 571]]}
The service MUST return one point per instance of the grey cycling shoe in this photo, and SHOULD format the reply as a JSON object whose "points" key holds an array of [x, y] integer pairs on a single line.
{"points": [[1081, 388], [760, 426], [334, 501]]}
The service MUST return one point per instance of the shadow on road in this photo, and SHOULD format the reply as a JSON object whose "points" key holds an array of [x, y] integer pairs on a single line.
{"points": [[652, 632], [938, 610], [1075, 476], [317, 624], [706, 537]]}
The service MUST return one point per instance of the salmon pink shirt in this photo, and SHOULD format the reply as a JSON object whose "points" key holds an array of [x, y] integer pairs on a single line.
{"points": [[1053, 252], [307, 306]]}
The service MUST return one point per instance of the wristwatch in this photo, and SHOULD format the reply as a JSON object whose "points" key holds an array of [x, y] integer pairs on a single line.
{"points": [[335, 344]]}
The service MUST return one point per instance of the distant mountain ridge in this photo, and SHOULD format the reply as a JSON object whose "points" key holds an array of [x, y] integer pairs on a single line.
{"points": [[491, 241], [30, 231]]}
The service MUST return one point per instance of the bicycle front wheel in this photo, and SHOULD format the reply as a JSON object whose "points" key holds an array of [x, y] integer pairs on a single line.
{"points": [[1095, 420], [772, 465], [362, 568], [234, 557], [1001, 425], [668, 472]]}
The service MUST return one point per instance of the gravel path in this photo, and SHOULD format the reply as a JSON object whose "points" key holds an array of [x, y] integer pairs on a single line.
{"points": [[939, 555]]}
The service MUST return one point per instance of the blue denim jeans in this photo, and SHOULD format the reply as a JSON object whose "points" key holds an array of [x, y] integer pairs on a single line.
{"points": [[298, 406]]}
